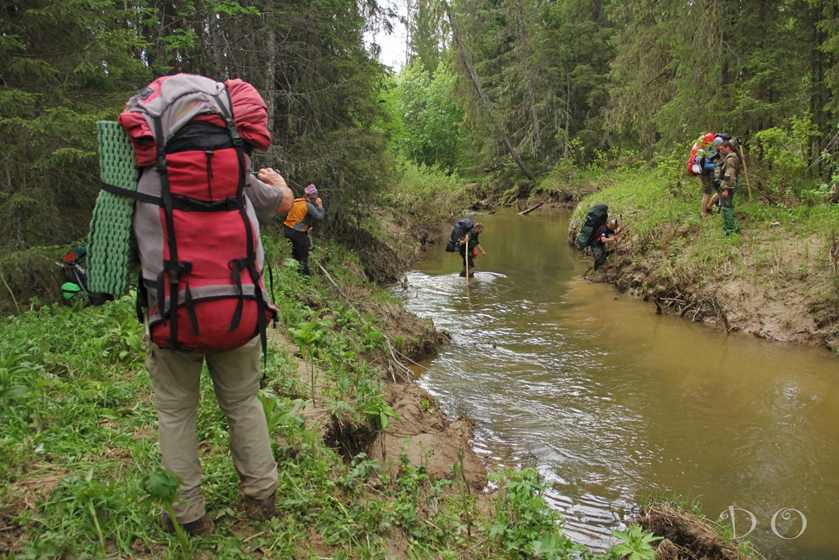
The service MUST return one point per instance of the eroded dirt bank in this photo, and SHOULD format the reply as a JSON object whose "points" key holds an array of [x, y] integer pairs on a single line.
{"points": [[418, 430], [779, 308], [778, 279]]}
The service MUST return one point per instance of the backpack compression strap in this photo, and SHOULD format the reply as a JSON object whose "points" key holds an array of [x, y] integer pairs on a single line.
{"points": [[178, 202], [249, 262]]}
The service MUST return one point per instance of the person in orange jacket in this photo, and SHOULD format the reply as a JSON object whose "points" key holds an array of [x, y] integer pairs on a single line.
{"points": [[305, 211]]}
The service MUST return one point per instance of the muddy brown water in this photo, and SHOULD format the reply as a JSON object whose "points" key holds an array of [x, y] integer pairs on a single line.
{"points": [[613, 403]]}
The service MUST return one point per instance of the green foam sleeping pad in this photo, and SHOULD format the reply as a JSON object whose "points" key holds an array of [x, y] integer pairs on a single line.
{"points": [[110, 241]]}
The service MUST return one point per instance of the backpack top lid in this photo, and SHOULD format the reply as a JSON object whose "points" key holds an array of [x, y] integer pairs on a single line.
{"points": [[461, 228], [465, 224], [179, 99], [598, 213]]}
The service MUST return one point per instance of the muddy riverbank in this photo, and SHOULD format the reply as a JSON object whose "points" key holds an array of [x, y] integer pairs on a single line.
{"points": [[777, 280]]}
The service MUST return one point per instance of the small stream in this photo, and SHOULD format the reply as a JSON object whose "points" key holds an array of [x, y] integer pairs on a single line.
{"points": [[613, 403]]}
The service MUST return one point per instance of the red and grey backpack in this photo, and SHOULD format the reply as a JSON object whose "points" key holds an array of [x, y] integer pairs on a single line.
{"points": [[201, 286]]}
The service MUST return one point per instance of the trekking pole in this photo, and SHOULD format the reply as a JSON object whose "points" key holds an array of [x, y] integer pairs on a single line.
{"points": [[466, 258], [745, 170]]}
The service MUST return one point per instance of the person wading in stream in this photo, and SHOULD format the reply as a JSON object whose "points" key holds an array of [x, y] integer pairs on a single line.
{"points": [[468, 248], [465, 233], [305, 211]]}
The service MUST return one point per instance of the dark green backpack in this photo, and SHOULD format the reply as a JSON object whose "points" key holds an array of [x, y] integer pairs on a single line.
{"points": [[459, 231], [596, 217]]}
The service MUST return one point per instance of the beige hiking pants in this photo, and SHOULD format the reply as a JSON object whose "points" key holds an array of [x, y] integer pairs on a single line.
{"points": [[175, 377]]}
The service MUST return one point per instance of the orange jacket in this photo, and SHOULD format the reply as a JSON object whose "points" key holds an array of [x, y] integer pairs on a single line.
{"points": [[299, 209]]}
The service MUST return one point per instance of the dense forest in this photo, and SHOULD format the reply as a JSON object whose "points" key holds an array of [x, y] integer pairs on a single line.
{"points": [[579, 81], [67, 63], [510, 87]]}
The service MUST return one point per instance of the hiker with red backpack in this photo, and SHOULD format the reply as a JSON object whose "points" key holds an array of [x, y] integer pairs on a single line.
{"points": [[701, 163], [201, 290]]}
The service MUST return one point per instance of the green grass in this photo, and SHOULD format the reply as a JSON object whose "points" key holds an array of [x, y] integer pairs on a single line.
{"points": [[569, 181], [662, 215], [429, 195], [652, 199], [417, 181], [78, 443]]}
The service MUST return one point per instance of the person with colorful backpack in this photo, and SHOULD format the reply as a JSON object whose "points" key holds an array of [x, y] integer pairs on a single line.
{"points": [[701, 163], [305, 211], [201, 290]]}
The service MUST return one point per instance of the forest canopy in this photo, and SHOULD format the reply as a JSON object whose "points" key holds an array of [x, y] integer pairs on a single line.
{"points": [[514, 87], [578, 81], [65, 64]]}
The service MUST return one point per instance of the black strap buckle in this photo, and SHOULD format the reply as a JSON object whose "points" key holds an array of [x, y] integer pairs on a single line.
{"points": [[161, 164], [175, 269]]}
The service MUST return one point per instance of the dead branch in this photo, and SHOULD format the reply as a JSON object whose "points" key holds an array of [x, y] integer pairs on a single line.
{"points": [[531, 209], [11, 293]]}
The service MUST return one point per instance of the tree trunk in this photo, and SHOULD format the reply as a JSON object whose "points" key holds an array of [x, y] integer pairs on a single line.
{"points": [[270, 86], [818, 90], [482, 96]]}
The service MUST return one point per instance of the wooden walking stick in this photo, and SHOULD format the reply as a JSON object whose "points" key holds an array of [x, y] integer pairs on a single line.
{"points": [[745, 169], [466, 258]]}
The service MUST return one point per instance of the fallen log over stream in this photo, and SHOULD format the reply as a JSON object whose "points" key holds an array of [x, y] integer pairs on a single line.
{"points": [[531, 209]]}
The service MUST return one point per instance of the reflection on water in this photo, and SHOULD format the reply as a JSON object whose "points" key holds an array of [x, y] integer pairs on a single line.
{"points": [[613, 403]]}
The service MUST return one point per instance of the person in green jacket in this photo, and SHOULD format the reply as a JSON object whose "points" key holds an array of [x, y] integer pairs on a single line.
{"points": [[728, 174]]}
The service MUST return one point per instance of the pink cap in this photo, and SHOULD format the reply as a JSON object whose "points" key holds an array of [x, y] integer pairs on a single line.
{"points": [[311, 190]]}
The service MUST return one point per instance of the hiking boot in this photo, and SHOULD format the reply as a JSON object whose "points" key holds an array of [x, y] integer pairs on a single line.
{"points": [[261, 510], [198, 528]]}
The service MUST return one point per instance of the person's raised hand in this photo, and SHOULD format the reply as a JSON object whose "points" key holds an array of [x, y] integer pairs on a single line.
{"points": [[271, 177]]}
